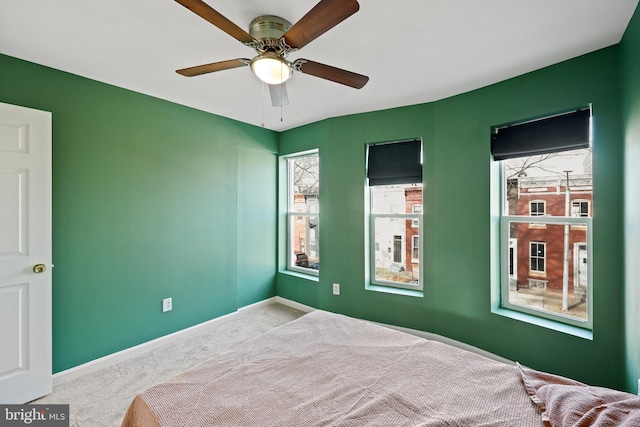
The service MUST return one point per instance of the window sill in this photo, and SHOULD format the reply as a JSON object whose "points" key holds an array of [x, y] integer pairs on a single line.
{"points": [[537, 275], [309, 277], [544, 323], [396, 291]]}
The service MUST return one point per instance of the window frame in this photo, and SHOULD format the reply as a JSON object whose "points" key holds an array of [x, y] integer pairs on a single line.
{"points": [[395, 172], [504, 236], [297, 216]]}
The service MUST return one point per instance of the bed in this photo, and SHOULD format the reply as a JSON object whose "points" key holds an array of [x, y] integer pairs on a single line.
{"points": [[325, 369]]}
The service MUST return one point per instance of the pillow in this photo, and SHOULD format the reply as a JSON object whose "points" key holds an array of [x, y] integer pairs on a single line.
{"points": [[565, 402]]}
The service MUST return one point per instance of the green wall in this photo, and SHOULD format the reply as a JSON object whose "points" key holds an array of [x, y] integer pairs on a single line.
{"points": [[458, 226], [631, 115], [257, 217], [150, 200]]}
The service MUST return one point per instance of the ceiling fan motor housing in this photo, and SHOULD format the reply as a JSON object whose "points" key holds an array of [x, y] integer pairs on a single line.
{"points": [[268, 30], [268, 27]]}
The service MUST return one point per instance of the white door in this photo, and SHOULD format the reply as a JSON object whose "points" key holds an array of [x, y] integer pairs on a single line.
{"points": [[25, 254]]}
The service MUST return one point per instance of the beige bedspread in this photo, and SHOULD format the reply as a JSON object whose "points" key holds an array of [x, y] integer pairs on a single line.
{"points": [[325, 369]]}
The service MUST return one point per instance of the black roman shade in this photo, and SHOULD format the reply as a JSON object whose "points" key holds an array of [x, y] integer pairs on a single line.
{"points": [[395, 163], [569, 131]]}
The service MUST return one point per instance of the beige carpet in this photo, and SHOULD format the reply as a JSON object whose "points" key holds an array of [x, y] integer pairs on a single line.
{"points": [[101, 398]]}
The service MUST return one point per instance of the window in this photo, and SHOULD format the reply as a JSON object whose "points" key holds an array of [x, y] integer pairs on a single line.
{"points": [[416, 209], [580, 208], [545, 164], [394, 173], [536, 255], [303, 213], [415, 249], [537, 208]]}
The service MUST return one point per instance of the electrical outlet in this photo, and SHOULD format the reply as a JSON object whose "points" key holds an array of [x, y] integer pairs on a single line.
{"points": [[638, 386], [336, 288], [167, 305]]}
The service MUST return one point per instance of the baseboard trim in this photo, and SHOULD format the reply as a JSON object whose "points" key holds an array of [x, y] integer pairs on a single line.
{"points": [[293, 304], [423, 334], [131, 352], [450, 341]]}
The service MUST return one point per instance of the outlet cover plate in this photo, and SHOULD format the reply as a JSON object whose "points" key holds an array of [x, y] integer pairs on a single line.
{"points": [[336, 288], [167, 305]]}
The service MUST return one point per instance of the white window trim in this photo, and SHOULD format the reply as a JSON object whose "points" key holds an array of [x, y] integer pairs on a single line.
{"points": [[292, 215]]}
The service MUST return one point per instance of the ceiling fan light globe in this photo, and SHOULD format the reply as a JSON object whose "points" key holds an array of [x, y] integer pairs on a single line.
{"points": [[271, 69]]}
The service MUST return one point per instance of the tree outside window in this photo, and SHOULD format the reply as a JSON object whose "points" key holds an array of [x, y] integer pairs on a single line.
{"points": [[304, 213]]}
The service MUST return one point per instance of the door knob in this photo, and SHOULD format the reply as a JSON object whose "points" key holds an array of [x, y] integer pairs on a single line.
{"points": [[39, 268]]}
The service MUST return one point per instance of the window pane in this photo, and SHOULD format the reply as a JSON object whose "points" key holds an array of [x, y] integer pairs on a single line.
{"points": [[303, 227], [395, 243], [305, 242], [396, 199], [544, 284], [537, 185], [305, 183]]}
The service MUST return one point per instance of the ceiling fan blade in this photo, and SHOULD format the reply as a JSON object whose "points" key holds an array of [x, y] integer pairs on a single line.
{"points": [[279, 96], [328, 72], [205, 11], [214, 66], [324, 16]]}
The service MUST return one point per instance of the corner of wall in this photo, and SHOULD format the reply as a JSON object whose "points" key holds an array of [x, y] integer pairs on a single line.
{"points": [[630, 48]]}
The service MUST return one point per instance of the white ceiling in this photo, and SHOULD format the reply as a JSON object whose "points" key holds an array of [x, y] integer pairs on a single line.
{"points": [[414, 51]]}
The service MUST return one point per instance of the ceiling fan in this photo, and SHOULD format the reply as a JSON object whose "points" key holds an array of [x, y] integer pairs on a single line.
{"points": [[273, 38]]}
